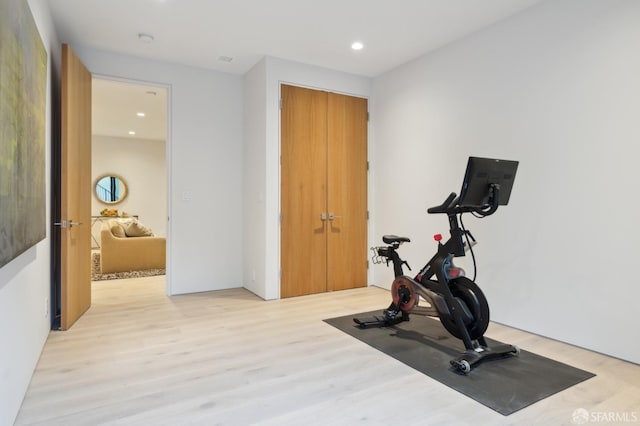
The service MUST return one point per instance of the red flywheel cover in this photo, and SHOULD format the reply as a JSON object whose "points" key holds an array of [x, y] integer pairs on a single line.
{"points": [[403, 294]]}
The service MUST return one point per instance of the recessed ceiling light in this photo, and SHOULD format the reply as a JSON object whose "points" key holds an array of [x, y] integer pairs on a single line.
{"points": [[140, 114], [131, 132], [145, 38], [225, 58], [357, 45]]}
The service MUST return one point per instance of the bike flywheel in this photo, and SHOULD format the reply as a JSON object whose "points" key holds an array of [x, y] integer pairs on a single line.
{"points": [[403, 294]]}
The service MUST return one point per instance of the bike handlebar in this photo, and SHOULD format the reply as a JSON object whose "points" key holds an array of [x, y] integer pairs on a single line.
{"points": [[444, 207], [450, 205], [495, 201]]}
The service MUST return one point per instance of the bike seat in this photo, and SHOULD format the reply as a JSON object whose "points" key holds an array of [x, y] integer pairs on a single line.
{"points": [[390, 239]]}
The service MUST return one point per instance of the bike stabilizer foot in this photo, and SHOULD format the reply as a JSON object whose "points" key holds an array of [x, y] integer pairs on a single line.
{"points": [[381, 321], [468, 359], [376, 321]]}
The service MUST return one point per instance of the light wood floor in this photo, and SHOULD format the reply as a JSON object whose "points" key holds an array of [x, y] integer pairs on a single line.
{"points": [[227, 357]]}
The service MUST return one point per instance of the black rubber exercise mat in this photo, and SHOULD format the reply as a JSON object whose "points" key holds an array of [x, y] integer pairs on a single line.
{"points": [[505, 385]]}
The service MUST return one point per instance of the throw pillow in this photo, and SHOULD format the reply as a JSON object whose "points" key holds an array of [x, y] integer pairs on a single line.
{"points": [[125, 221], [118, 231], [137, 229]]}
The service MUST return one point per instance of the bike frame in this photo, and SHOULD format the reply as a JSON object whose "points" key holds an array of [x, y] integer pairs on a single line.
{"points": [[435, 290], [438, 292], [432, 289]]}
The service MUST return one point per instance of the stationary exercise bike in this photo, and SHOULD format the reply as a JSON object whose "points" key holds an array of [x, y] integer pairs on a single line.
{"points": [[455, 299]]}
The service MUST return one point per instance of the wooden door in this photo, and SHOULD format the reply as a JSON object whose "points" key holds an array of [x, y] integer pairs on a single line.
{"points": [[347, 192], [303, 191], [75, 163], [323, 192]]}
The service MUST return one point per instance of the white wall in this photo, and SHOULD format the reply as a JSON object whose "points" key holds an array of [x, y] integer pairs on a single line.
{"points": [[262, 179], [204, 245], [25, 281], [556, 88], [254, 169], [143, 166]]}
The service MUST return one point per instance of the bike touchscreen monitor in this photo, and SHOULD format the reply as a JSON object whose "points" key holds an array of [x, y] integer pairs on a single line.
{"points": [[480, 174]]}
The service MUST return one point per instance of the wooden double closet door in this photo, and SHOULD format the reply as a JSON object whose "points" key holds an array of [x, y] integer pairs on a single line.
{"points": [[324, 191]]}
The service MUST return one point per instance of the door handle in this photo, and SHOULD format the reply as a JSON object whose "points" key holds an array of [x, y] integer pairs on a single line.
{"points": [[67, 223], [332, 216], [323, 216]]}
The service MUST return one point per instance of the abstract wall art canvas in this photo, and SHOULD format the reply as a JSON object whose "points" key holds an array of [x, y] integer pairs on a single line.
{"points": [[23, 86]]}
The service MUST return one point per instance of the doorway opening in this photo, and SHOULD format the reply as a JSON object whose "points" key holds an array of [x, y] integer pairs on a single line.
{"points": [[129, 172]]}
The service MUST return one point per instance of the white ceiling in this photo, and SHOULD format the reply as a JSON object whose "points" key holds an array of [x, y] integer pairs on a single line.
{"points": [[115, 105], [317, 32]]}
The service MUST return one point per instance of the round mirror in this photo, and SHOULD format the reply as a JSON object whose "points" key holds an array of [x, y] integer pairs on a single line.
{"points": [[110, 189]]}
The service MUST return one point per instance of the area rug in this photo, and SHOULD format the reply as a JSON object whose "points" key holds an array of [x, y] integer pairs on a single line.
{"points": [[505, 385], [97, 276]]}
